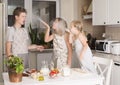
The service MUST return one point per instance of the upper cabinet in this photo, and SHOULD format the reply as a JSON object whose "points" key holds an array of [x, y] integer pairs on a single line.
{"points": [[106, 12], [114, 13], [99, 12]]}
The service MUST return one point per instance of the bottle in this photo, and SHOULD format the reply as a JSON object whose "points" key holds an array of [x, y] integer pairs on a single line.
{"points": [[44, 69]]}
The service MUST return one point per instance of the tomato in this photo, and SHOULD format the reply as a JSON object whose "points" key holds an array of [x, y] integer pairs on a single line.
{"points": [[53, 71], [52, 74]]}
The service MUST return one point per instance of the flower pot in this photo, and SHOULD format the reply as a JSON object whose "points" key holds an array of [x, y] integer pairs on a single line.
{"points": [[14, 77]]}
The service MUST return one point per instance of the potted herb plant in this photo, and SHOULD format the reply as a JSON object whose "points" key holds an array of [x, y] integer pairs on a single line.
{"points": [[15, 68]]}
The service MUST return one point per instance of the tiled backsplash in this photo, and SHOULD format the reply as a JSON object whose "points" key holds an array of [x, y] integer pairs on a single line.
{"points": [[113, 32], [96, 31]]}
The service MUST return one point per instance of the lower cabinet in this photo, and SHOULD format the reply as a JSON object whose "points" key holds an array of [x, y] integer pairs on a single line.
{"points": [[36, 59], [75, 61], [49, 57], [44, 57], [115, 77]]}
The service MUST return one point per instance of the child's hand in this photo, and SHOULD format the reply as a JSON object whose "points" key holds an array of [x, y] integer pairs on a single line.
{"points": [[37, 47], [40, 48], [33, 46], [45, 23]]}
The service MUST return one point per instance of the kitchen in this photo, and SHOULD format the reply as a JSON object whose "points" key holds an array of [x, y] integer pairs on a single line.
{"points": [[77, 11]]}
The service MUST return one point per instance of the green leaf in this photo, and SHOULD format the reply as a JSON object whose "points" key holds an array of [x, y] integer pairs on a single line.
{"points": [[15, 63]]}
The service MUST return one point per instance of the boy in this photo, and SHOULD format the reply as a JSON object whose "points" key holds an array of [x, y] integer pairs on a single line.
{"points": [[17, 37]]}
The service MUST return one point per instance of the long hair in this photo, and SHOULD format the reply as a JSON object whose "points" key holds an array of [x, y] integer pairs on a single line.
{"points": [[78, 25], [62, 25]]}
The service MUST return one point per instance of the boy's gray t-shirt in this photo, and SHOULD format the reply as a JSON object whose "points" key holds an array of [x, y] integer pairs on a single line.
{"points": [[19, 38]]}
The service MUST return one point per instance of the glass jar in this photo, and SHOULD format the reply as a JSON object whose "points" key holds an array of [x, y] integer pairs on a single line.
{"points": [[66, 71], [44, 69]]}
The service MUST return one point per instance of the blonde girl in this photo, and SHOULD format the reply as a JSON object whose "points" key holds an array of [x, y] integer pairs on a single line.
{"points": [[82, 49], [61, 46]]}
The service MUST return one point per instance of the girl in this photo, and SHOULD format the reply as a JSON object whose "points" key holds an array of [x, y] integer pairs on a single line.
{"points": [[82, 49], [61, 46]]}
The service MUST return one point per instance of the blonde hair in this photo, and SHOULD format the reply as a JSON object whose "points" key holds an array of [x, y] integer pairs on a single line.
{"points": [[62, 25], [78, 25]]}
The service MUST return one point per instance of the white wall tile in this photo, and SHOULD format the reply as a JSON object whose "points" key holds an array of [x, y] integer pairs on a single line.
{"points": [[114, 32]]}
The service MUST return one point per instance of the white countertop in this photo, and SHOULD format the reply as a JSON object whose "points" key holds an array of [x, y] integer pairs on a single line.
{"points": [[106, 55], [77, 77]]}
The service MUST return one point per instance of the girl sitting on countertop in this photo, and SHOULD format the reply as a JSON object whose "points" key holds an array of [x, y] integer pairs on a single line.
{"points": [[82, 49]]}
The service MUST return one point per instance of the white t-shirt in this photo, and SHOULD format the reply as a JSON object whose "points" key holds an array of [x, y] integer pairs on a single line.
{"points": [[19, 38]]}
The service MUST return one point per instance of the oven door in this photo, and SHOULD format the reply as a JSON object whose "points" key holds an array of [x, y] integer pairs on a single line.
{"points": [[100, 46]]}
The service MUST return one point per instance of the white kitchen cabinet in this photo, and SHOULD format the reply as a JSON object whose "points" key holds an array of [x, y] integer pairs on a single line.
{"points": [[115, 77], [105, 12], [99, 12], [114, 13]]}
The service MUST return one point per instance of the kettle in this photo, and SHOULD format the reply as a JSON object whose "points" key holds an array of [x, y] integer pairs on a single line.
{"points": [[115, 48]]}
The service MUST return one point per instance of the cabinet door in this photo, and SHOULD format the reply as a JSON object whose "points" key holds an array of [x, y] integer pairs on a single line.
{"points": [[44, 57], [115, 77], [75, 61], [100, 12], [114, 13]]}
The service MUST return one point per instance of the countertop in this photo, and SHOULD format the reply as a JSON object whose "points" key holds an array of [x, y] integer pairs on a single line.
{"points": [[44, 51], [77, 77], [116, 58]]}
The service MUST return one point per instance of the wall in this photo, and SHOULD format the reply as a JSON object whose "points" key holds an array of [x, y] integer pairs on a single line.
{"points": [[67, 10], [73, 11], [113, 32], [96, 31]]}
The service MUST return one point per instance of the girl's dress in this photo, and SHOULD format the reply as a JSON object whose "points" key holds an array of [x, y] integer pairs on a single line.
{"points": [[60, 51], [87, 61]]}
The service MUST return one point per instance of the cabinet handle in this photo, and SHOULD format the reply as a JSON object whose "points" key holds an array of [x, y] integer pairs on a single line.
{"points": [[116, 64], [118, 21], [104, 22]]}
